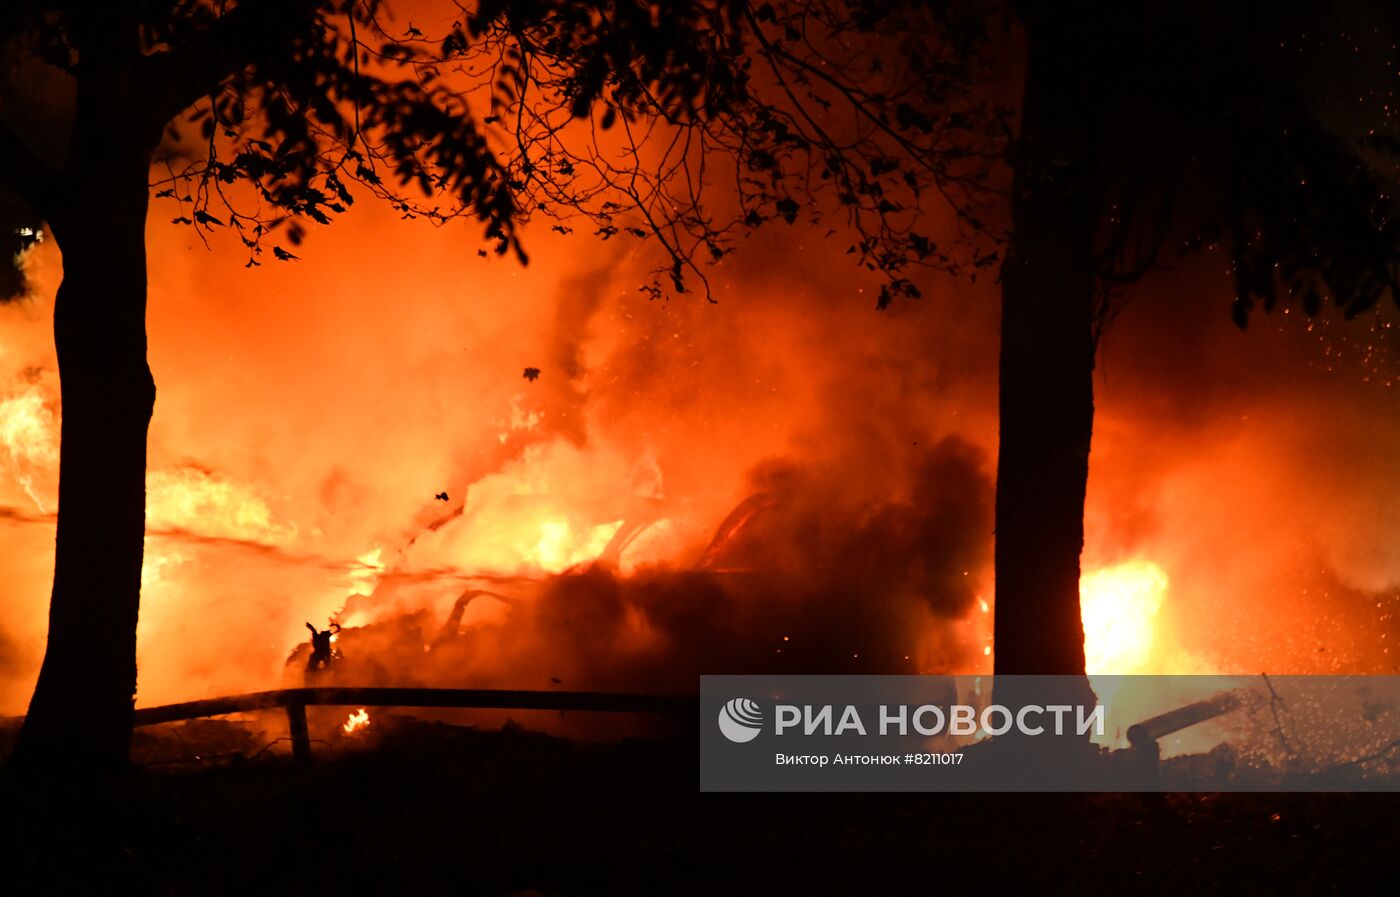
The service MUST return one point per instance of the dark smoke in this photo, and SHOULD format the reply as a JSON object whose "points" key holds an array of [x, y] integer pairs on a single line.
{"points": [[820, 578]]}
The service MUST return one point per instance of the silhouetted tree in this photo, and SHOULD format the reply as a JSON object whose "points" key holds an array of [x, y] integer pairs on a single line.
{"points": [[262, 114], [1150, 130]]}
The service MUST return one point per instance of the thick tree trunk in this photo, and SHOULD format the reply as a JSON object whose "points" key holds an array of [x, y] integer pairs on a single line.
{"points": [[80, 716], [1047, 358]]}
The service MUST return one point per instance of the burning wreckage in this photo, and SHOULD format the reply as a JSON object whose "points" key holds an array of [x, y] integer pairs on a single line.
{"points": [[407, 647], [1156, 742], [376, 650]]}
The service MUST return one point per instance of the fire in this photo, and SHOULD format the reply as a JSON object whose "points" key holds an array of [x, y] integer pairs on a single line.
{"points": [[28, 428], [155, 564], [297, 464], [356, 722], [364, 576], [560, 546], [198, 501], [29, 434], [1119, 607]]}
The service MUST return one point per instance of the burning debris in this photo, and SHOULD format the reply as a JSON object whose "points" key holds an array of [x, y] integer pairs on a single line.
{"points": [[357, 721], [602, 625]]}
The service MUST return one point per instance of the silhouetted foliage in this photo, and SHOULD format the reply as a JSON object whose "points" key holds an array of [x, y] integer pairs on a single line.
{"points": [[1261, 130], [688, 123]]}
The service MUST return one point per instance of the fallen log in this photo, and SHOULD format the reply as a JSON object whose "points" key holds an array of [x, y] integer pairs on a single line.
{"points": [[1143, 736]]}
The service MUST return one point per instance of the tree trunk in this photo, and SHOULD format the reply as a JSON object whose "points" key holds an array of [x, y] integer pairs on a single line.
{"points": [[1047, 357], [80, 715]]}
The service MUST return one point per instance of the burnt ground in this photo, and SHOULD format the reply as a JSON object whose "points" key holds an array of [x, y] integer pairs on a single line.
{"points": [[430, 808]]}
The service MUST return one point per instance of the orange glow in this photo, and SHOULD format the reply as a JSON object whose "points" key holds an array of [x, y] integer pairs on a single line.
{"points": [[1119, 607], [305, 426]]}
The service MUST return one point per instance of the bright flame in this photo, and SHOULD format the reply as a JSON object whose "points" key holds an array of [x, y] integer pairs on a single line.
{"points": [[356, 721], [1119, 606], [209, 504], [559, 546], [364, 576], [154, 564], [29, 434]]}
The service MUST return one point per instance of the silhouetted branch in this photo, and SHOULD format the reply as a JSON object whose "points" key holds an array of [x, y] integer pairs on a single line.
{"points": [[688, 124], [196, 65]]}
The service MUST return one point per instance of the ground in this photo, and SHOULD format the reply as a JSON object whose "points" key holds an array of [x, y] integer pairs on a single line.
{"points": [[435, 809]]}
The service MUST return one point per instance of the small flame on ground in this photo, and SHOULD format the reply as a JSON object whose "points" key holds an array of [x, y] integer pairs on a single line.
{"points": [[356, 722]]}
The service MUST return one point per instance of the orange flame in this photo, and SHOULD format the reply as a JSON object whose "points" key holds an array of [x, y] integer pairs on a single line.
{"points": [[195, 500], [1119, 606], [29, 435], [356, 722]]}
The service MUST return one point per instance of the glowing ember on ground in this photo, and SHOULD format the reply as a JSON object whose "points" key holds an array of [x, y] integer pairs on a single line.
{"points": [[356, 722], [1119, 606]]}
